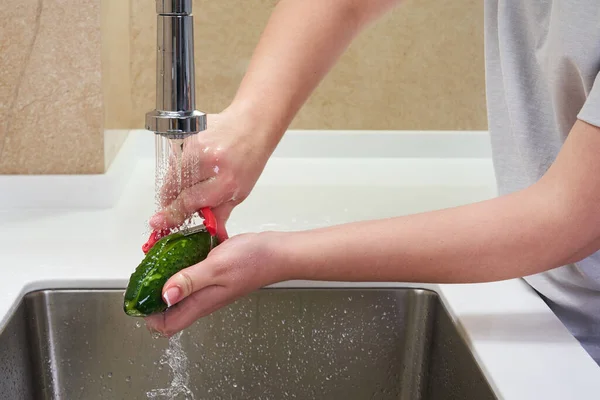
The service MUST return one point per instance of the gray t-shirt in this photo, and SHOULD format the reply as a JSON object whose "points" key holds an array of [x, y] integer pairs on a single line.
{"points": [[542, 74]]}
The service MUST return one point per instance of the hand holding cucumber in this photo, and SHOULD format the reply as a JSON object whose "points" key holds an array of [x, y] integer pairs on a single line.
{"points": [[233, 269]]}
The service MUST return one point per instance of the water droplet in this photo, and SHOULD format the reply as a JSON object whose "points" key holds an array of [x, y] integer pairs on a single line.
{"points": [[109, 374], [128, 379]]}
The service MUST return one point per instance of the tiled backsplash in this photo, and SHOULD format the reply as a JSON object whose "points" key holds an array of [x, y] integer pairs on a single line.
{"points": [[69, 72]]}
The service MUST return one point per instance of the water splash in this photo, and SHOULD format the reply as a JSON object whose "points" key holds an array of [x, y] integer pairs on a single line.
{"points": [[177, 361]]}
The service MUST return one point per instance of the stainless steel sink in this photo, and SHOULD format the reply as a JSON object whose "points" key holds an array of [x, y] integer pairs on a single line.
{"points": [[273, 344]]}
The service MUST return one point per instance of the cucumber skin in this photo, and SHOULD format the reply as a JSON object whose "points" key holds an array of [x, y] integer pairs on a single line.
{"points": [[168, 256]]}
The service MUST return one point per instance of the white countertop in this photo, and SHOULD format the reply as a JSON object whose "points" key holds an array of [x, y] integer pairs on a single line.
{"points": [[86, 232]]}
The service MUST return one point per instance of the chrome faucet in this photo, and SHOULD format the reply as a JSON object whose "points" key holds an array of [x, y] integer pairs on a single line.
{"points": [[175, 115]]}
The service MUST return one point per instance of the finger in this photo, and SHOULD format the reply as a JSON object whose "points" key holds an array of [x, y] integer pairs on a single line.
{"points": [[208, 193], [196, 306], [183, 284], [170, 217], [188, 281]]}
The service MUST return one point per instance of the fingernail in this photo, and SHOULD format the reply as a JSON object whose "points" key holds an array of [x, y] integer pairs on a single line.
{"points": [[172, 295]]}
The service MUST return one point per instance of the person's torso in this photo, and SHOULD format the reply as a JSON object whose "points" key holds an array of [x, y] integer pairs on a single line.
{"points": [[542, 57]]}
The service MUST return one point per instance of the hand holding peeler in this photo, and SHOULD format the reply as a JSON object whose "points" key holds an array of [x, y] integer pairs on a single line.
{"points": [[210, 223]]}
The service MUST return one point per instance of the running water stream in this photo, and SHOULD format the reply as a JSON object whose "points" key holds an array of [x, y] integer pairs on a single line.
{"points": [[168, 170], [174, 170], [177, 361]]}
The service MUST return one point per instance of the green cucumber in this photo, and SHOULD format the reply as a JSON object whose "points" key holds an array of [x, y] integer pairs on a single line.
{"points": [[168, 256]]}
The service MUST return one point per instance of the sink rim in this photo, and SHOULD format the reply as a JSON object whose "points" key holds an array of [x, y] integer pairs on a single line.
{"points": [[113, 288]]}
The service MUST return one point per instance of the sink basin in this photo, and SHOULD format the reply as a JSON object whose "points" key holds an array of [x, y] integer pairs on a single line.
{"points": [[273, 344]]}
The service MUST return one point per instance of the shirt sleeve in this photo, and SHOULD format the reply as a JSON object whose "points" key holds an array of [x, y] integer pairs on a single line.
{"points": [[590, 112]]}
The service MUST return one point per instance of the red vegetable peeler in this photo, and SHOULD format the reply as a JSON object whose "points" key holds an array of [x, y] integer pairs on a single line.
{"points": [[210, 223]]}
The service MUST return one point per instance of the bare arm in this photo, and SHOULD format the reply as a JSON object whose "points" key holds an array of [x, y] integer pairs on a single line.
{"points": [[302, 41], [554, 222]]}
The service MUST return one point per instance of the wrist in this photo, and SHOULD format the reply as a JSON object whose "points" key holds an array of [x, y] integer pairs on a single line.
{"points": [[261, 123], [284, 257]]}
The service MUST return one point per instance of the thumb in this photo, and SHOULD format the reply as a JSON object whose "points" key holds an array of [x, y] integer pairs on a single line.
{"points": [[186, 282]]}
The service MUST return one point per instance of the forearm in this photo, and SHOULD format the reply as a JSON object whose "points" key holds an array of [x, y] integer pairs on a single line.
{"points": [[493, 240], [302, 41], [551, 223]]}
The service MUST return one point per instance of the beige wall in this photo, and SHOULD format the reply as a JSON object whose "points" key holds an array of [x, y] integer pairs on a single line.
{"points": [[68, 73], [50, 87], [420, 67], [116, 75]]}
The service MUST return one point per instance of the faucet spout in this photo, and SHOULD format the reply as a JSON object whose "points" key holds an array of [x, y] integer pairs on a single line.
{"points": [[175, 114]]}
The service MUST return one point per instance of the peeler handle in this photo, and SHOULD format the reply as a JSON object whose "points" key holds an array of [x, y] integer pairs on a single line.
{"points": [[210, 222]]}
